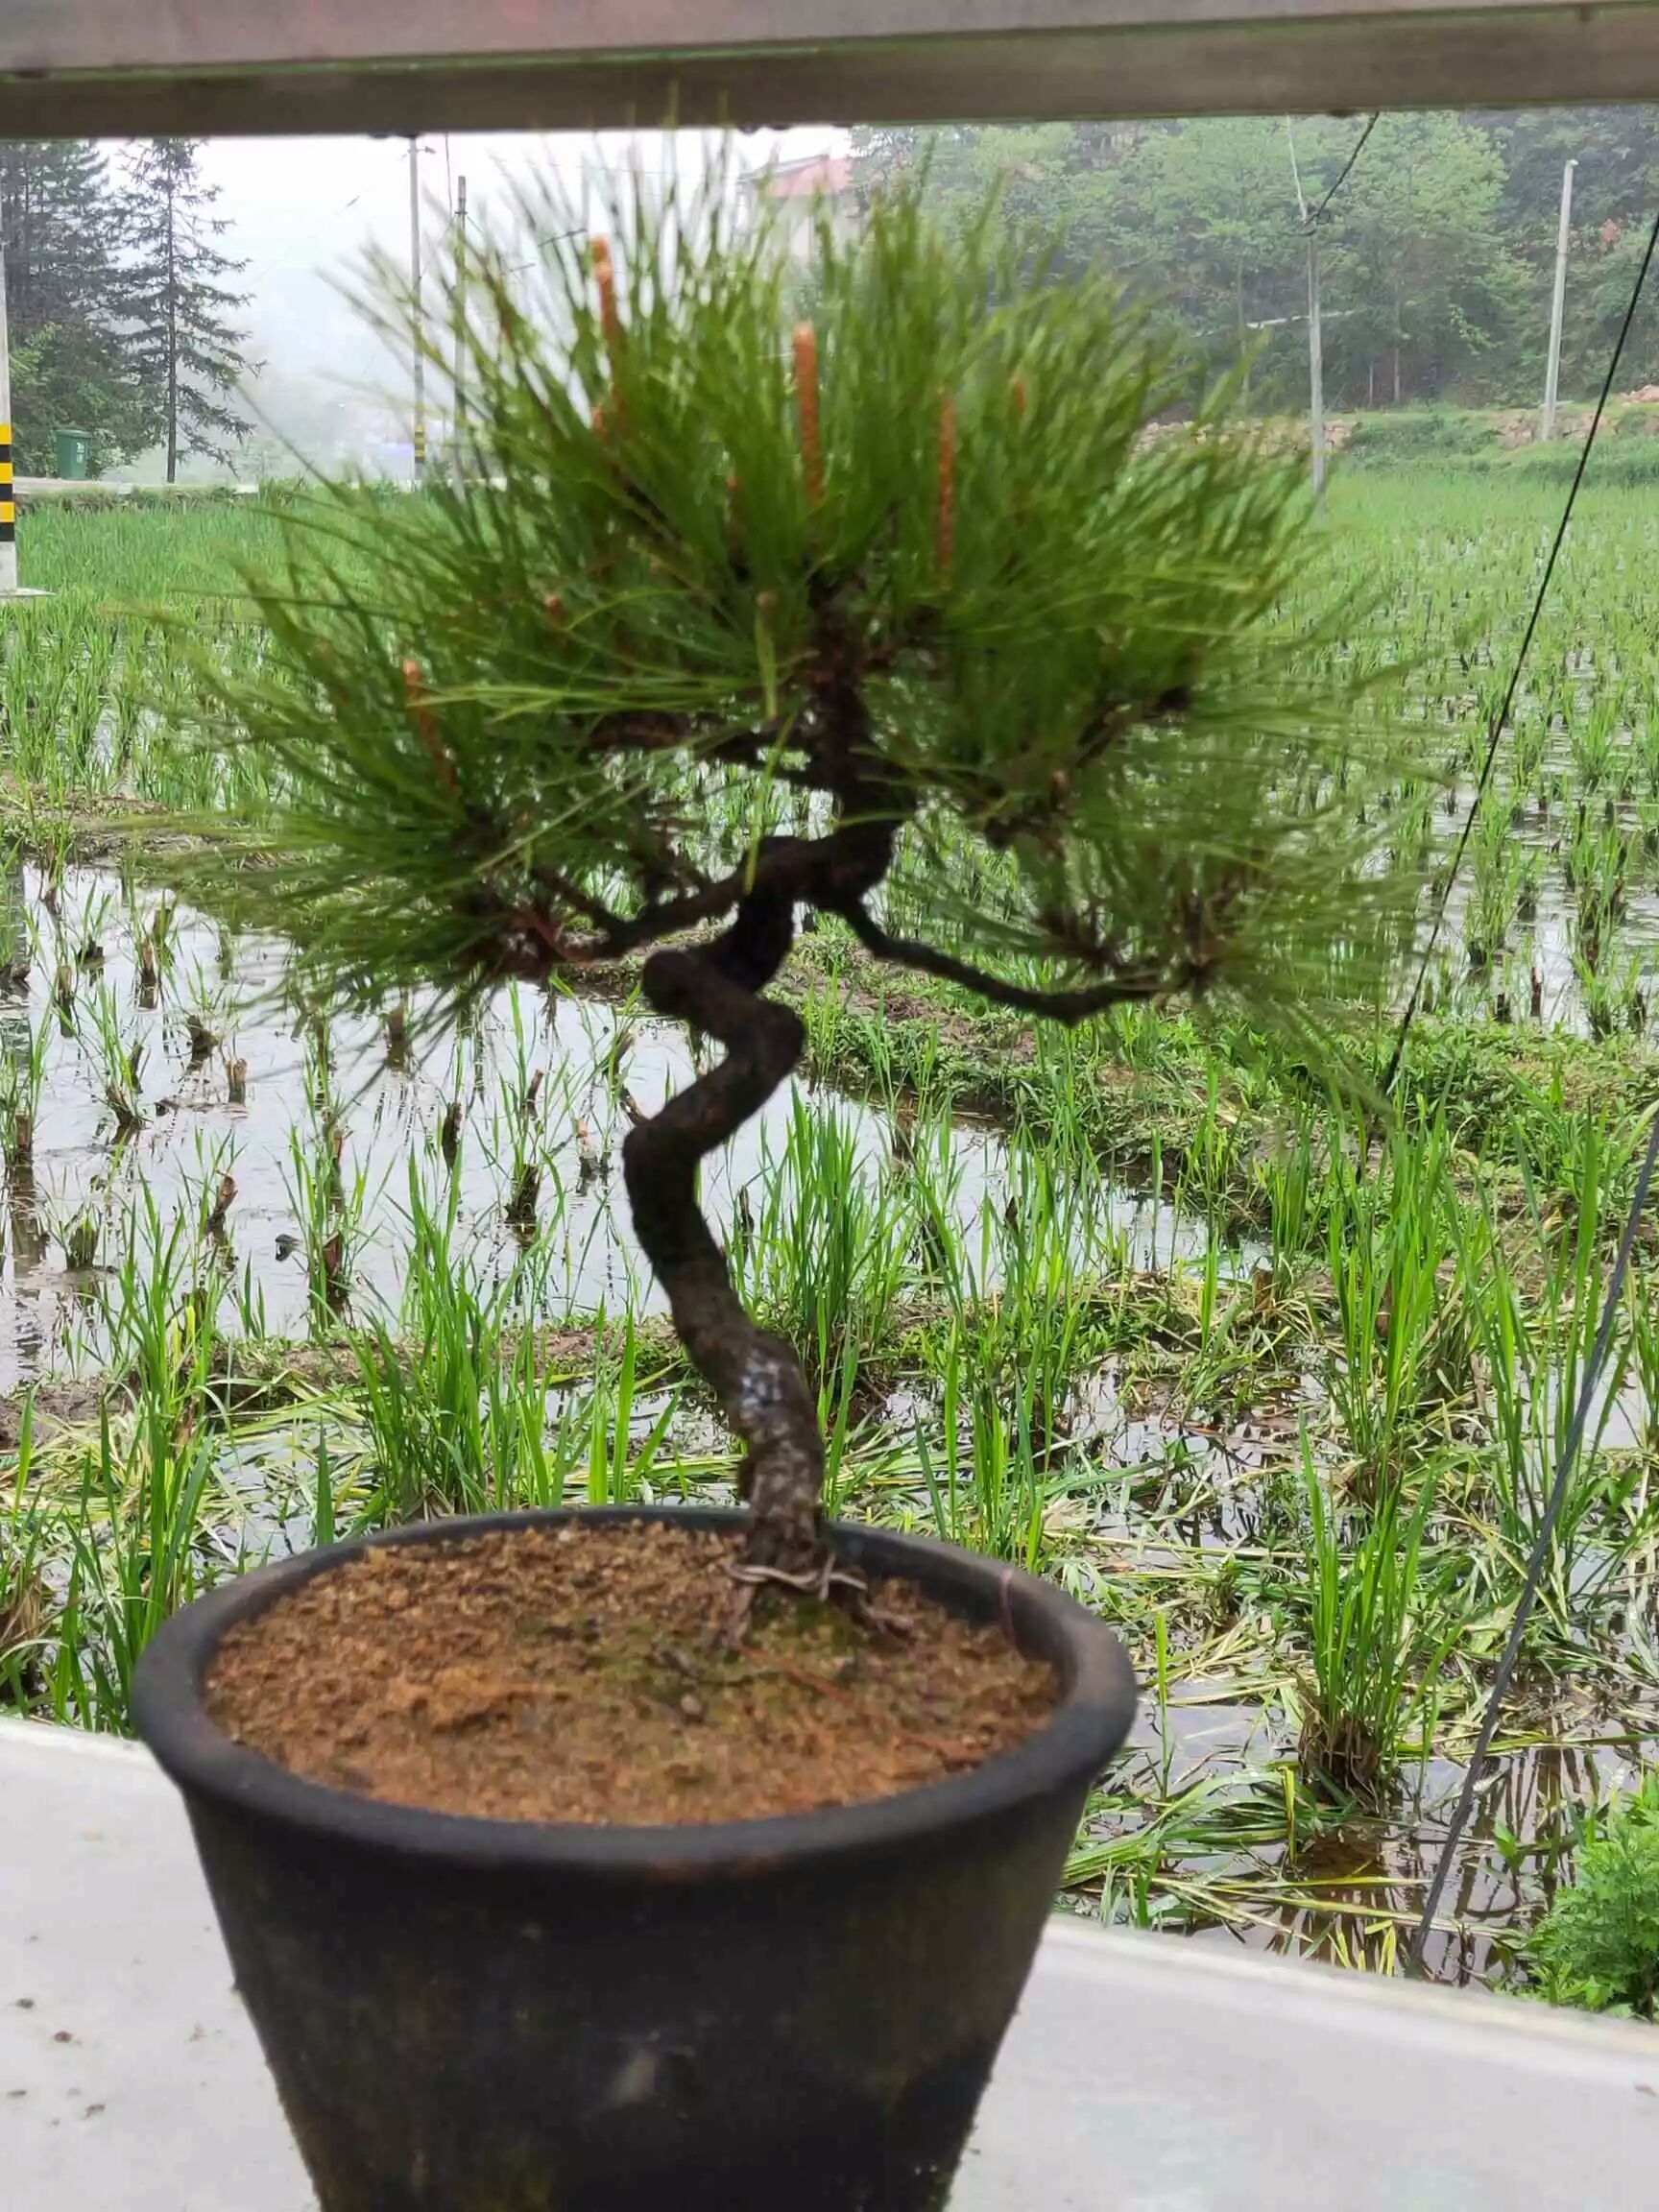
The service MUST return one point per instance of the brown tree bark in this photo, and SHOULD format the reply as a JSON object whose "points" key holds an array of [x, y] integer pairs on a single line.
{"points": [[756, 1375]]}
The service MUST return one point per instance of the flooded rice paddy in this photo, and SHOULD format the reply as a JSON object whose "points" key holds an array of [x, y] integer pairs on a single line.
{"points": [[1118, 1306]]}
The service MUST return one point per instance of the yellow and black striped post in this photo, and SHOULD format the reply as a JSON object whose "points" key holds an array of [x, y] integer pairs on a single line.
{"points": [[7, 475], [7, 513]]}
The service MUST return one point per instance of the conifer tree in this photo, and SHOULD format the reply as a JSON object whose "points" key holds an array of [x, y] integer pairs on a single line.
{"points": [[900, 619], [185, 344], [62, 223]]}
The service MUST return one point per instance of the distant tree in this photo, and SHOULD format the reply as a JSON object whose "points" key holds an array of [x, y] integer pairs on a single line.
{"points": [[1616, 152], [1615, 191], [1425, 293], [1206, 221], [186, 346], [1431, 285], [1601, 269], [1052, 175], [62, 226]]}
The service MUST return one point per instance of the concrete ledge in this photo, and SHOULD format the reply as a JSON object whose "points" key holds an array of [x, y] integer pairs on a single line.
{"points": [[171, 67], [97, 487], [1142, 2074]]}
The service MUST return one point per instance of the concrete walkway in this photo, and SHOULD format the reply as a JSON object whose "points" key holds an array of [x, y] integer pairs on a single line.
{"points": [[1142, 2075]]}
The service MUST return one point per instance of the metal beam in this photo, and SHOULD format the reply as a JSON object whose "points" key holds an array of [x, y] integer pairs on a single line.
{"points": [[201, 67]]}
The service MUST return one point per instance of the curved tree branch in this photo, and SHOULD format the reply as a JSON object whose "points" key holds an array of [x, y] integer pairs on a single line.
{"points": [[827, 872], [1130, 985]]}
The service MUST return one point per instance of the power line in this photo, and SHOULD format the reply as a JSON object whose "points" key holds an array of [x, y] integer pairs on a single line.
{"points": [[1315, 319], [1312, 222], [1496, 731], [552, 238]]}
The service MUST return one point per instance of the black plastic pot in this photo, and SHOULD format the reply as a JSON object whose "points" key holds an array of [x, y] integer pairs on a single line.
{"points": [[792, 2015]]}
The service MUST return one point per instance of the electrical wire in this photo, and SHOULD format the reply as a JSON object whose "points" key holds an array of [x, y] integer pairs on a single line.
{"points": [[1312, 222], [1495, 733], [1571, 1445]]}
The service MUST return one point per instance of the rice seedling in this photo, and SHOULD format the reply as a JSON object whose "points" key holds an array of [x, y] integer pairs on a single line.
{"points": [[1387, 1244], [823, 1255], [329, 1207], [1598, 755], [119, 1061], [1534, 1339], [1494, 903], [24, 1048], [1294, 1183], [1642, 1319], [27, 1608], [619, 1465], [135, 1555], [1370, 1644], [448, 1433], [206, 1015]]}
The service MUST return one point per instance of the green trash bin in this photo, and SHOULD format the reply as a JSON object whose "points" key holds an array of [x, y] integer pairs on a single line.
{"points": [[73, 448]]}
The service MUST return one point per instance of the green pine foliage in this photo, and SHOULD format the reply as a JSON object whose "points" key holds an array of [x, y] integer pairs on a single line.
{"points": [[1598, 1946], [514, 718]]}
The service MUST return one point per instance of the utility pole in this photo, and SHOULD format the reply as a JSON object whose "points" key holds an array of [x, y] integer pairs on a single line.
{"points": [[459, 426], [417, 323], [1558, 304], [7, 475], [1315, 363], [1315, 330]]}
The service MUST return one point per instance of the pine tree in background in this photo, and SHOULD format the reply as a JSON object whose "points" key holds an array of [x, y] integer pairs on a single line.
{"points": [[62, 226], [903, 620], [185, 344]]}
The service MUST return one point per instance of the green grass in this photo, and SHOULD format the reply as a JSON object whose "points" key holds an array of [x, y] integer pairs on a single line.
{"points": [[1598, 1945]]}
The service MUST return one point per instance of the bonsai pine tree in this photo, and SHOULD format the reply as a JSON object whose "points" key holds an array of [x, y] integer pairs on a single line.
{"points": [[891, 609]]}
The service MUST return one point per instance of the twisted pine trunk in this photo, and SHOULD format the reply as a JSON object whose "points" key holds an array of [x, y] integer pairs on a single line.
{"points": [[717, 989], [756, 1375]]}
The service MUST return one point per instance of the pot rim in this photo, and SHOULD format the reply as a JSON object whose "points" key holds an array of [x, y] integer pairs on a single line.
{"points": [[1089, 1724]]}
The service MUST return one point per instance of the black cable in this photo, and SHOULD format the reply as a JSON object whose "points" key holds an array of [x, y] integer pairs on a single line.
{"points": [[1495, 731], [1570, 1449], [1312, 222]]}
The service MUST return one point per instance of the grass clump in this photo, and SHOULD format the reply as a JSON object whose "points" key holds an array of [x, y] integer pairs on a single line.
{"points": [[1598, 1946], [1369, 1642]]}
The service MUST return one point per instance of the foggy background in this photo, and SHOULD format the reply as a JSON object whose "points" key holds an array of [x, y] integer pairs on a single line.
{"points": [[303, 213]]}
